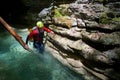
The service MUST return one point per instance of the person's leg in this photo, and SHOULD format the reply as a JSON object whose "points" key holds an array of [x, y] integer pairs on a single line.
{"points": [[41, 47], [36, 45]]}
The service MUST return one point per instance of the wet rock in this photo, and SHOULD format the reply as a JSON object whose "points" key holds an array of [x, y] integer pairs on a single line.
{"points": [[65, 21], [83, 41], [45, 12]]}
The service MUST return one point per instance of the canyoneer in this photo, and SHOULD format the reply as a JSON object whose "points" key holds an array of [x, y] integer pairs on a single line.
{"points": [[37, 34]]}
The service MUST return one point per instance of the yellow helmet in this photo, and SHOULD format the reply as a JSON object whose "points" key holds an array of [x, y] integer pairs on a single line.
{"points": [[40, 24]]}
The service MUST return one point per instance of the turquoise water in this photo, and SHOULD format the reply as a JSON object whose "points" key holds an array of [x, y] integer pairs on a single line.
{"points": [[19, 64]]}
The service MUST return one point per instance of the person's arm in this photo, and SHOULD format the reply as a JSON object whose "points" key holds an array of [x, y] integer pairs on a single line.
{"points": [[46, 29], [27, 39], [26, 46]]}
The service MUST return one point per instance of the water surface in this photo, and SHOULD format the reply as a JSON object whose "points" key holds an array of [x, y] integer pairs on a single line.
{"points": [[19, 64]]}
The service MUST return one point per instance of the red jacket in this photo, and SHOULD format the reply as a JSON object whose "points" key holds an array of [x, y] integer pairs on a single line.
{"points": [[37, 34]]}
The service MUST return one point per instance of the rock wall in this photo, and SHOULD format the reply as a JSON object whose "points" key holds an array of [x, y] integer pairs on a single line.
{"points": [[87, 37]]}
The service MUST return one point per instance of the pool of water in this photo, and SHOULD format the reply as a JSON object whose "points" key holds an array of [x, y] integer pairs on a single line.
{"points": [[19, 64]]}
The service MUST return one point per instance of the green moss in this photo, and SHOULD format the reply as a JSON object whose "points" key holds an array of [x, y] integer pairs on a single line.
{"points": [[107, 18], [63, 9], [110, 14], [116, 19], [104, 15], [101, 1], [57, 13], [104, 19]]}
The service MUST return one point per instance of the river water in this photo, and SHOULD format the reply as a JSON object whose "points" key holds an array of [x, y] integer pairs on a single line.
{"points": [[19, 64]]}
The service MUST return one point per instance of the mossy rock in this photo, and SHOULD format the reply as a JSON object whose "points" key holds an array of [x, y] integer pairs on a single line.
{"points": [[110, 14], [56, 13], [116, 19], [102, 1], [104, 19], [64, 9]]}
